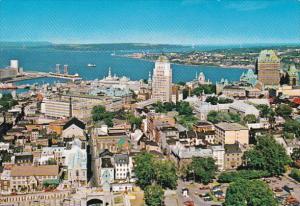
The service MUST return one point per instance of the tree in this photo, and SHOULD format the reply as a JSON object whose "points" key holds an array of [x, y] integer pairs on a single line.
{"points": [[181, 83], [212, 99], [267, 155], [250, 118], [295, 174], [133, 120], [154, 195], [150, 170], [184, 108], [204, 169], [165, 173], [216, 117], [249, 193], [264, 110], [226, 177], [295, 154], [144, 169], [292, 126], [99, 113], [284, 110], [208, 89]]}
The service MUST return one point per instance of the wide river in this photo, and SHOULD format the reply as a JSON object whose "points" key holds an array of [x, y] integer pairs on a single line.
{"points": [[45, 60]]}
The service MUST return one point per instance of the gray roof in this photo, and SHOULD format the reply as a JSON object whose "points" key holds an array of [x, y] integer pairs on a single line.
{"points": [[121, 159]]}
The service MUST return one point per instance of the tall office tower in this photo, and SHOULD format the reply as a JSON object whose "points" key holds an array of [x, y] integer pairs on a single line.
{"points": [[162, 80], [268, 68]]}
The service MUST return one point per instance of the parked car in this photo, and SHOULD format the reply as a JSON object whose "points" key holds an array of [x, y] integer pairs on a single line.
{"points": [[204, 187], [207, 198], [288, 188]]}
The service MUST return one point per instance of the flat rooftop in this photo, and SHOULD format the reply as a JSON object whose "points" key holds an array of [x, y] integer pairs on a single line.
{"points": [[230, 126]]}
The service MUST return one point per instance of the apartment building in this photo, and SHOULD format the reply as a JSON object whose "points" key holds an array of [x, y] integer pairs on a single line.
{"points": [[230, 133]]}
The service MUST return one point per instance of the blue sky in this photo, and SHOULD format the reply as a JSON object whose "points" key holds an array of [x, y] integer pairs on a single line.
{"points": [[149, 21]]}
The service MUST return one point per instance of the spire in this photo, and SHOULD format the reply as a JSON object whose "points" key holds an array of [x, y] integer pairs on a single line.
{"points": [[196, 75]]}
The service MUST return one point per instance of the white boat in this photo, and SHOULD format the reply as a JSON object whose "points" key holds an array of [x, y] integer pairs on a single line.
{"points": [[91, 65]]}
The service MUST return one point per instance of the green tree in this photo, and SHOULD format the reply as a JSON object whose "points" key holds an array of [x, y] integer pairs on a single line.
{"points": [[154, 195], [6, 102], [249, 193], [231, 176], [292, 126], [295, 154], [184, 108], [99, 113], [264, 110], [150, 170], [250, 118], [181, 83], [267, 155], [204, 169], [295, 174], [216, 117], [208, 89], [284, 110], [165, 173], [144, 169], [133, 120], [212, 99]]}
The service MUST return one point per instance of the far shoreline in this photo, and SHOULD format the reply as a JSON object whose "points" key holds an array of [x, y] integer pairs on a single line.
{"points": [[192, 65]]}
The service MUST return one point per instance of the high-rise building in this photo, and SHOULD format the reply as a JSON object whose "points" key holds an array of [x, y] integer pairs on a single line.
{"points": [[162, 80], [14, 64], [268, 68]]}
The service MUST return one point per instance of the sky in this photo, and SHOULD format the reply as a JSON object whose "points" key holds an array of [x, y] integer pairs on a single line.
{"points": [[151, 21]]}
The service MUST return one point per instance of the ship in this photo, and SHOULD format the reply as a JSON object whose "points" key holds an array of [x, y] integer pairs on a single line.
{"points": [[91, 65]]}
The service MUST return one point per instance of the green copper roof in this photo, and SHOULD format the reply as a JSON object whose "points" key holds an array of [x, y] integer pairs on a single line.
{"points": [[268, 56], [292, 70], [121, 141]]}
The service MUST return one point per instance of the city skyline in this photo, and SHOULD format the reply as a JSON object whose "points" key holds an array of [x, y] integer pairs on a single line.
{"points": [[165, 22]]}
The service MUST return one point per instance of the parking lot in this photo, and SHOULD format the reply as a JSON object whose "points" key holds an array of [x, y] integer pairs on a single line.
{"points": [[284, 188]]}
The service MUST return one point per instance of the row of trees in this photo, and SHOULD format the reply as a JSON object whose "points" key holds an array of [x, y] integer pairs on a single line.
{"points": [[216, 117], [185, 111], [99, 114], [207, 89], [282, 110], [183, 108], [214, 100]]}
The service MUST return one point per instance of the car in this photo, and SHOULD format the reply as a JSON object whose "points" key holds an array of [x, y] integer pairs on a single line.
{"points": [[204, 187], [207, 198], [288, 188]]}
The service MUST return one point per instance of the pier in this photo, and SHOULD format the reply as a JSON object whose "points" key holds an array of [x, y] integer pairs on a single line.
{"points": [[36, 75]]}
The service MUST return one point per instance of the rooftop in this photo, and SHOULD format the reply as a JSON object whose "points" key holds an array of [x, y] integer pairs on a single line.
{"points": [[230, 126], [28, 170]]}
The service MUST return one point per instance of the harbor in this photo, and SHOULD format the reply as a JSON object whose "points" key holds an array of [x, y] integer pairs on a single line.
{"points": [[21, 75]]}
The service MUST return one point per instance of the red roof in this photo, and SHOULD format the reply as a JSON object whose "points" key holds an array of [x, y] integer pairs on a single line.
{"points": [[296, 100]]}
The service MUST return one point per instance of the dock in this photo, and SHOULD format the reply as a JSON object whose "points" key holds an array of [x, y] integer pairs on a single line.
{"points": [[37, 75]]}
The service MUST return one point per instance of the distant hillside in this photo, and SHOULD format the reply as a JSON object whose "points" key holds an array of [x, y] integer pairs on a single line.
{"points": [[116, 47], [7, 44]]}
